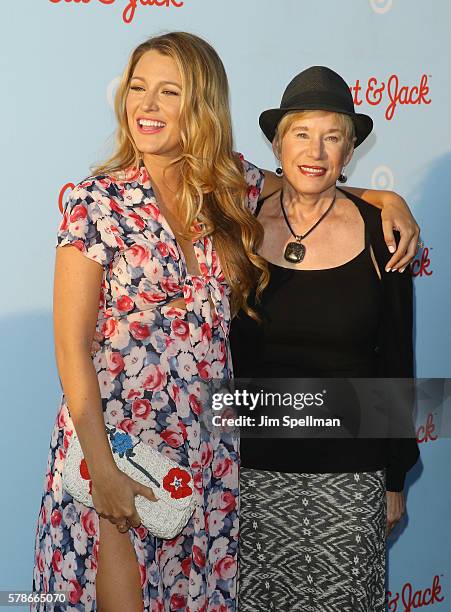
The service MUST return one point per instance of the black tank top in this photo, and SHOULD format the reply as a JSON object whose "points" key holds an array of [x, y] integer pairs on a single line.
{"points": [[321, 322], [316, 323]]}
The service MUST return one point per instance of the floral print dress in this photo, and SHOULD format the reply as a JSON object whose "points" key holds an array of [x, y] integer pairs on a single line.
{"points": [[151, 366]]}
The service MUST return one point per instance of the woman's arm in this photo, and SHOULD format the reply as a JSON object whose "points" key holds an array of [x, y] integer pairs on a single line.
{"points": [[76, 301], [396, 356], [396, 215], [75, 308], [272, 183]]}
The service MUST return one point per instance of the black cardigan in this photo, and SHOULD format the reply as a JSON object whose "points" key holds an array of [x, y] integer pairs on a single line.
{"points": [[395, 342]]}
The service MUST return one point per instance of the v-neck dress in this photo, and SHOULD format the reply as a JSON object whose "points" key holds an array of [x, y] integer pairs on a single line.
{"points": [[151, 367]]}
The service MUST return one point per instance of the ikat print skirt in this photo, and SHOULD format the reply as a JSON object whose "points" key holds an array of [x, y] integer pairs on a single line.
{"points": [[312, 542]]}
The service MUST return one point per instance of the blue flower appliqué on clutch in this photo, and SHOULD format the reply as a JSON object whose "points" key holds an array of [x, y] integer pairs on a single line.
{"points": [[122, 444]]}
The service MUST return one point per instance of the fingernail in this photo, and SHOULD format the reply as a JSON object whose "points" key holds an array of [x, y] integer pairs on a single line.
{"points": [[402, 269], [394, 270], [387, 269], [391, 248]]}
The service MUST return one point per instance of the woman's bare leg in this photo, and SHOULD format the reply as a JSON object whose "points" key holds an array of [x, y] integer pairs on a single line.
{"points": [[118, 582]]}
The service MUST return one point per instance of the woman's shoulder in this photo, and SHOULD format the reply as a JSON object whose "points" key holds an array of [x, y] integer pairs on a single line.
{"points": [[90, 186], [87, 221], [370, 213], [252, 173], [255, 179], [109, 183], [109, 190], [372, 217]]}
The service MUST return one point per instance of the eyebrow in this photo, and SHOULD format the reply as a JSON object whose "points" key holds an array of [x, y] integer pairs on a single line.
{"points": [[304, 127], [161, 82]]}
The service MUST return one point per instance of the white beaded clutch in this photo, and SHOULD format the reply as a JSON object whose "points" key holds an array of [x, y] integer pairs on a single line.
{"points": [[171, 482]]}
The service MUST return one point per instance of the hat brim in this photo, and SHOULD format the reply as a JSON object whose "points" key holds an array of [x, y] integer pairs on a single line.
{"points": [[269, 120]]}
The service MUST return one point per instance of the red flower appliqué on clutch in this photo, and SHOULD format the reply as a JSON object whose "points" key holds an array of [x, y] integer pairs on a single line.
{"points": [[84, 473], [176, 482]]}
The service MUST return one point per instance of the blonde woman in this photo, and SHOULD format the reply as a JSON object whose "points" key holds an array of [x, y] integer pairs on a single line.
{"points": [[162, 233]]}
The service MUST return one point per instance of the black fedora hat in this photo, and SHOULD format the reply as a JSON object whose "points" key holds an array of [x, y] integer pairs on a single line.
{"points": [[317, 88]]}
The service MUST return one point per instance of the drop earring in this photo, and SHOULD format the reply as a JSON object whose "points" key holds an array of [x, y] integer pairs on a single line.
{"points": [[342, 177], [279, 171]]}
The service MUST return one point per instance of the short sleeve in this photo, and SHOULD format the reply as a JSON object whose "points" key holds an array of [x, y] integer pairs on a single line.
{"points": [[254, 179], [87, 224]]}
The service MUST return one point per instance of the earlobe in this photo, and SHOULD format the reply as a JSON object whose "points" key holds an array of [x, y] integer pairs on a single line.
{"points": [[350, 151], [275, 149], [349, 155]]}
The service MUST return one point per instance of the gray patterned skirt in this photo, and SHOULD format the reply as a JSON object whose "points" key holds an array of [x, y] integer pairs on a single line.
{"points": [[312, 542]]}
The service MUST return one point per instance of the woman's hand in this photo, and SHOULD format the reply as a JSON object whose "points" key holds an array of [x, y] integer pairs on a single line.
{"points": [[113, 495], [396, 507], [396, 215]]}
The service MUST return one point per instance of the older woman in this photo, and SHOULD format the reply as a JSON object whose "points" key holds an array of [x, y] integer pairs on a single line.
{"points": [[314, 515]]}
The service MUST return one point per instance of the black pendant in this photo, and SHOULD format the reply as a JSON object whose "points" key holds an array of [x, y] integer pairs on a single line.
{"points": [[294, 252]]}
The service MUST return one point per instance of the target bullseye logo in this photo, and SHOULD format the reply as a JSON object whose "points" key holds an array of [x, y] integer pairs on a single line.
{"points": [[383, 178], [111, 91], [62, 195], [381, 6]]}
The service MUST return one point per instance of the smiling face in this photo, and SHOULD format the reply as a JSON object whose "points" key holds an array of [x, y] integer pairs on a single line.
{"points": [[153, 105], [313, 147]]}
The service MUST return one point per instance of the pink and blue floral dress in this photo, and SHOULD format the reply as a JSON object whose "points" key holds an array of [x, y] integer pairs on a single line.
{"points": [[151, 367]]}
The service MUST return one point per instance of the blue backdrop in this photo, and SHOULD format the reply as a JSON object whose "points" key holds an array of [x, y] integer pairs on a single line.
{"points": [[60, 62]]}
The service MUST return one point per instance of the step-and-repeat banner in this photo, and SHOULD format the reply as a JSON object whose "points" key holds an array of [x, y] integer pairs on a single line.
{"points": [[60, 65]]}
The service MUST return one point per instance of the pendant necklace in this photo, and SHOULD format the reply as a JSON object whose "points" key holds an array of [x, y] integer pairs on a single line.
{"points": [[295, 251]]}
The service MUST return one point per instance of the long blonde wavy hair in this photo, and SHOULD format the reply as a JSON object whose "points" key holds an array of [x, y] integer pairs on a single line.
{"points": [[213, 187]]}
